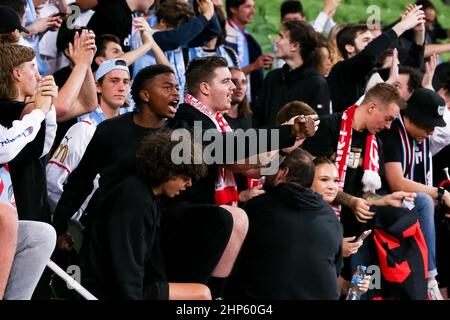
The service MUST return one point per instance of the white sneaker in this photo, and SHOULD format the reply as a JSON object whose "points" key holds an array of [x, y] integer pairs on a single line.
{"points": [[433, 291]]}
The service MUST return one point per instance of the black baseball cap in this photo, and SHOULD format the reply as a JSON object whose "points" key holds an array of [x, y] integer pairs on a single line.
{"points": [[10, 20], [426, 107]]}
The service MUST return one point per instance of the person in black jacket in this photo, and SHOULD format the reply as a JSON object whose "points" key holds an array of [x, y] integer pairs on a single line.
{"points": [[121, 257], [297, 79], [293, 249], [348, 78]]}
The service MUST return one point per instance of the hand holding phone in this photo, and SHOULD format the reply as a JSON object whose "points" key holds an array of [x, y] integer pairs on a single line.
{"points": [[60, 14], [363, 235]]}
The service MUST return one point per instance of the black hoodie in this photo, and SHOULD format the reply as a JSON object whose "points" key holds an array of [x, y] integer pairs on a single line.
{"points": [[293, 247], [284, 85]]}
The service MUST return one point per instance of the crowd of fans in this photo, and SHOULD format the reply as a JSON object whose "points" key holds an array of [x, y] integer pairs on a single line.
{"points": [[353, 118]]}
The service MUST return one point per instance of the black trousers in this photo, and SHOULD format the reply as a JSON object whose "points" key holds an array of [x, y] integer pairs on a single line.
{"points": [[193, 240]]}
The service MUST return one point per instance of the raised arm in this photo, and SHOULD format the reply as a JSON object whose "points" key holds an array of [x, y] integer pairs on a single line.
{"points": [[78, 95], [325, 16], [187, 32], [148, 43]]}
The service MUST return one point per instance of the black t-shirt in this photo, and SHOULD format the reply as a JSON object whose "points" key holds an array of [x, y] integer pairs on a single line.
{"points": [[324, 143], [393, 152], [110, 153]]}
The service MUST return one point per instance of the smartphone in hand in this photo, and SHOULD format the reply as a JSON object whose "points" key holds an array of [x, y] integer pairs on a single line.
{"points": [[60, 14], [363, 235]]}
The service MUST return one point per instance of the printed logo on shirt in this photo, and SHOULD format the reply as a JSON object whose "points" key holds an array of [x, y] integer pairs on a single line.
{"points": [[24, 134], [62, 150], [418, 155], [354, 158], [126, 41], [28, 131]]}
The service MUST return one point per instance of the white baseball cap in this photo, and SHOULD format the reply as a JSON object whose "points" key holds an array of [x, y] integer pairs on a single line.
{"points": [[110, 65]]}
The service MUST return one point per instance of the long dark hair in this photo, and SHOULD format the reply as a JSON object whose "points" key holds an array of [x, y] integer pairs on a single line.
{"points": [[244, 109]]}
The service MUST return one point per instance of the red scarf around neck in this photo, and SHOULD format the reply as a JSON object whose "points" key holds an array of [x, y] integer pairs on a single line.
{"points": [[225, 187], [371, 180]]}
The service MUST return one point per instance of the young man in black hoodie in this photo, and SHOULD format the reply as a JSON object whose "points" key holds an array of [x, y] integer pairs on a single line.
{"points": [[293, 249], [297, 79]]}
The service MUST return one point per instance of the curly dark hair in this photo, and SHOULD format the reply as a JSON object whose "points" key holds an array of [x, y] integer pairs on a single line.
{"points": [[154, 160]]}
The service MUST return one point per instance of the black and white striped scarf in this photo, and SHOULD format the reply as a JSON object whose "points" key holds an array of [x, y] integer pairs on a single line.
{"points": [[409, 159]]}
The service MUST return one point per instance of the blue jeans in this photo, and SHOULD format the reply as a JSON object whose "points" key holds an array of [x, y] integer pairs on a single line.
{"points": [[425, 211]]}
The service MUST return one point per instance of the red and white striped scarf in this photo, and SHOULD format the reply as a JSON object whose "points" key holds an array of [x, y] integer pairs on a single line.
{"points": [[225, 187], [371, 180]]}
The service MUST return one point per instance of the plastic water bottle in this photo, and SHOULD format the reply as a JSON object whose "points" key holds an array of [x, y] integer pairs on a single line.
{"points": [[354, 293]]}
